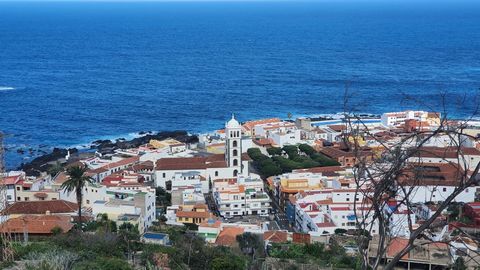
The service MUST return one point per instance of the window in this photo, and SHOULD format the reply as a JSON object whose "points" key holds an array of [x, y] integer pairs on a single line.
{"points": [[26, 198], [235, 162], [235, 152], [216, 173], [88, 201], [163, 175], [9, 197], [235, 172], [18, 188], [444, 189], [235, 143], [19, 199], [348, 199]]}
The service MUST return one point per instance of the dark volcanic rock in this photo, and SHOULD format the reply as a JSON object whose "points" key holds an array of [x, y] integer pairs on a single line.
{"points": [[107, 146], [40, 164]]}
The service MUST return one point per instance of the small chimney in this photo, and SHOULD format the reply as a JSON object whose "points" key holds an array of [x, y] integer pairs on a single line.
{"points": [[47, 213]]}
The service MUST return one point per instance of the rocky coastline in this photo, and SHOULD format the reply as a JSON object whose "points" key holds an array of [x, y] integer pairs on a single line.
{"points": [[46, 161]]}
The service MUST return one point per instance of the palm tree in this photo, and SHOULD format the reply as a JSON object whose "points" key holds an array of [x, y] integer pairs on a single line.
{"points": [[77, 182]]}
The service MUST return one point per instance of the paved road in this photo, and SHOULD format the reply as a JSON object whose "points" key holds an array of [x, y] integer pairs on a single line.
{"points": [[211, 204], [280, 216]]}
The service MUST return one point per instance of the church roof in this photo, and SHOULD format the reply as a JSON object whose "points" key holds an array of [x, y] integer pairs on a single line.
{"points": [[195, 163]]}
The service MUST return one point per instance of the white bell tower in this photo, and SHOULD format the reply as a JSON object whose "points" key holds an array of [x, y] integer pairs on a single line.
{"points": [[233, 145]]}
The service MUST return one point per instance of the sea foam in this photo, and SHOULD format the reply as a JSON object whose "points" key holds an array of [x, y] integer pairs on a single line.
{"points": [[6, 88]]}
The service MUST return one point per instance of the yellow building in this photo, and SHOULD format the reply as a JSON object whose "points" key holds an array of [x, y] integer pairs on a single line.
{"points": [[193, 214]]}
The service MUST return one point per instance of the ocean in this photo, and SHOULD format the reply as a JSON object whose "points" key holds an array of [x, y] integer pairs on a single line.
{"points": [[73, 72]]}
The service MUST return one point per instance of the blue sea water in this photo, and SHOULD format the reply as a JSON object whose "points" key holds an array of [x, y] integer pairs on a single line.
{"points": [[72, 72]]}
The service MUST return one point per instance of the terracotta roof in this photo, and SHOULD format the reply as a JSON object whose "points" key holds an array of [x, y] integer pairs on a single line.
{"points": [[41, 207], [61, 178], [10, 180], [263, 141], [36, 224], [251, 124], [432, 174], [338, 128], [228, 236], [275, 236], [193, 214], [212, 223], [194, 163], [122, 162]]}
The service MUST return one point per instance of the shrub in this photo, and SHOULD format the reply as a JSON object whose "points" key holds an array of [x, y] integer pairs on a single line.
{"points": [[52, 260], [228, 263], [57, 230], [103, 263]]}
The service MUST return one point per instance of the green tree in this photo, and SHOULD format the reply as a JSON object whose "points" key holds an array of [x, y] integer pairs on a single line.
{"points": [[307, 149], [77, 181], [249, 242], [105, 223], [291, 150], [228, 263], [274, 151], [256, 154], [130, 237]]}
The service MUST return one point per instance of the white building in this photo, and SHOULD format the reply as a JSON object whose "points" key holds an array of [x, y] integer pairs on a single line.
{"points": [[137, 208], [393, 119], [282, 133], [217, 166], [241, 196]]}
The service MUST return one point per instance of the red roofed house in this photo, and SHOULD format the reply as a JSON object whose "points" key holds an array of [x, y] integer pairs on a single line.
{"points": [[59, 207], [425, 255], [10, 182], [228, 236], [275, 236], [36, 224], [472, 210]]}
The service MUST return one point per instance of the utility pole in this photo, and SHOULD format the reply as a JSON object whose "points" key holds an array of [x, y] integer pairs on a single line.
{"points": [[6, 251]]}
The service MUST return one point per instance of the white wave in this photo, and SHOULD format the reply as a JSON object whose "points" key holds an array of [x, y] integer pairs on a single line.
{"points": [[7, 88]]}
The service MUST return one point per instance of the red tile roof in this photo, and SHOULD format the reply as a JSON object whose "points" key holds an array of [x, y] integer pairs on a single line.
{"points": [[10, 180], [194, 163], [41, 207], [36, 224], [275, 236], [228, 236], [249, 125]]}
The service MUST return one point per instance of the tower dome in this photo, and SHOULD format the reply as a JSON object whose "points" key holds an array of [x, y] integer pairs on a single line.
{"points": [[233, 123]]}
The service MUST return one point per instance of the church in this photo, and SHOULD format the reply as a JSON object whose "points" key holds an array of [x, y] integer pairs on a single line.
{"points": [[217, 166]]}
